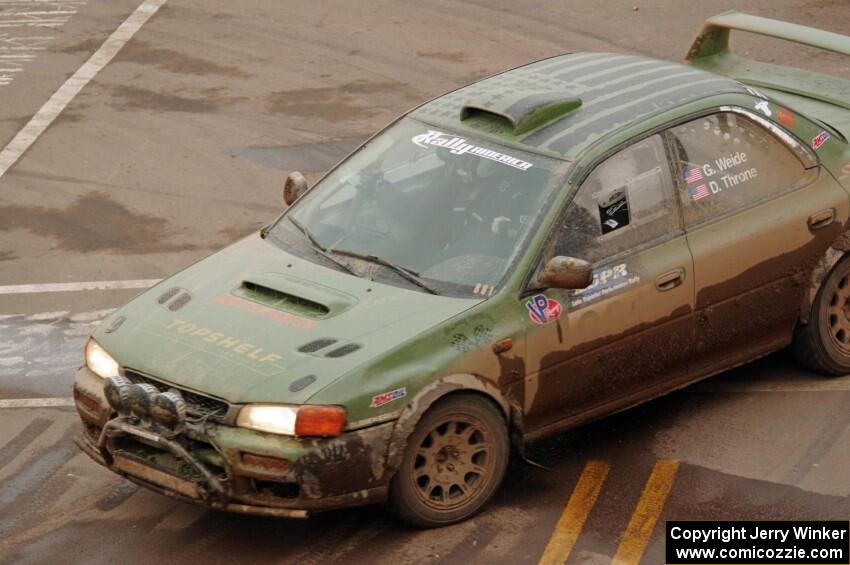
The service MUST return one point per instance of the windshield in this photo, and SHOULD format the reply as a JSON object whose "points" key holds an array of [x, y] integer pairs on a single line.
{"points": [[421, 205]]}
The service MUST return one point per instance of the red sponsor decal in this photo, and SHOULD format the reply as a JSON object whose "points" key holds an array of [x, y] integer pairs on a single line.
{"points": [[819, 139], [388, 397], [543, 309], [266, 312]]}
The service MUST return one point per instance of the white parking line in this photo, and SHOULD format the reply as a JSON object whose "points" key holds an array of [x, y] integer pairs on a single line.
{"points": [[60, 99], [76, 286], [36, 402], [17, 19]]}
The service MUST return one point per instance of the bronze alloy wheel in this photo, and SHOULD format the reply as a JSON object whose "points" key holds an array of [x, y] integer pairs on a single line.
{"points": [[824, 343], [453, 462], [837, 311]]}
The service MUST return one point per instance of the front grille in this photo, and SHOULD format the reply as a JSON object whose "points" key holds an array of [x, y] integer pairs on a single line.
{"points": [[197, 405]]}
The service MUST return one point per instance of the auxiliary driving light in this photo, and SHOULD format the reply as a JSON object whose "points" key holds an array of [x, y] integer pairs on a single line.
{"points": [[168, 409], [117, 392], [140, 399]]}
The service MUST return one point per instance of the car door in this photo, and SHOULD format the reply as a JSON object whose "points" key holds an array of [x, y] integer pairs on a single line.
{"points": [[630, 333], [758, 214]]}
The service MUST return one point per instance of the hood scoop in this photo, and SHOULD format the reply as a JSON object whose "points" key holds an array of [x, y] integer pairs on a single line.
{"points": [[290, 294], [281, 300], [530, 112]]}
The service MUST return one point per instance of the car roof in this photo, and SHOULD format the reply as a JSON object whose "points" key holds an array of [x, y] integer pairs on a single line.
{"points": [[559, 106]]}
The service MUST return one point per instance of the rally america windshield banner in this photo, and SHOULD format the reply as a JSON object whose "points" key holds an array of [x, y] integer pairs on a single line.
{"points": [[459, 146]]}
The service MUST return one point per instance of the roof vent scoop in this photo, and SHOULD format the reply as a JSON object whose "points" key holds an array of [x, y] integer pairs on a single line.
{"points": [[526, 114]]}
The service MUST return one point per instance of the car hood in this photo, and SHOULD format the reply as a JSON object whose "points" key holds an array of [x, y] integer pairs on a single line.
{"points": [[253, 323]]}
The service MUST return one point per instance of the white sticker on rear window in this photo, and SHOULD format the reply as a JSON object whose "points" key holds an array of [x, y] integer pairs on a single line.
{"points": [[459, 146]]}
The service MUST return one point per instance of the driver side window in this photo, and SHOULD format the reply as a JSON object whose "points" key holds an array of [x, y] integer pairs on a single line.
{"points": [[627, 201]]}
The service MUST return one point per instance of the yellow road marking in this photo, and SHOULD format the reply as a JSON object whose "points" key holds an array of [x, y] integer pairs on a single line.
{"points": [[575, 514], [646, 513]]}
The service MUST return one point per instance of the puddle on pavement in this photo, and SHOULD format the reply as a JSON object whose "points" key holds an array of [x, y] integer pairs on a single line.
{"points": [[85, 46], [94, 222], [175, 62], [338, 103], [447, 56], [144, 99]]}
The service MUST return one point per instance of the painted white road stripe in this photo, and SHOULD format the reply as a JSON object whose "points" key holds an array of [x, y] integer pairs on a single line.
{"points": [[76, 286], [60, 99], [35, 402]]}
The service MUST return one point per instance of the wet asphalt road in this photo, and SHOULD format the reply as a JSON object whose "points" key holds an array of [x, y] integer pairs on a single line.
{"points": [[179, 146]]}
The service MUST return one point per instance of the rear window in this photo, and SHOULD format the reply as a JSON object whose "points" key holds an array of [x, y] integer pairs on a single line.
{"points": [[727, 161]]}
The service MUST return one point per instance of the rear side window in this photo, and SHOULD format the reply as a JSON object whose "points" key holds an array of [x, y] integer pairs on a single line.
{"points": [[626, 201], [727, 162]]}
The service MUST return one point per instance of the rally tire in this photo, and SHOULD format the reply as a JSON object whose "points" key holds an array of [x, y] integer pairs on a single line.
{"points": [[823, 344], [453, 462]]}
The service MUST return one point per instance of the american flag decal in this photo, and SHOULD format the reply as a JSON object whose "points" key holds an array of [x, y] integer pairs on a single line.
{"points": [[698, 192], [693, 174]]}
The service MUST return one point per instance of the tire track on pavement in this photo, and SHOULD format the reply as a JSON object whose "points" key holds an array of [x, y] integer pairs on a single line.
{"points": [[21, 441], [33, 484]]}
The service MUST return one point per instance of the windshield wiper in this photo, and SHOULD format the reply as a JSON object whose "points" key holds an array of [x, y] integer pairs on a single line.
{"points": [[405, 273], [319, 248]]}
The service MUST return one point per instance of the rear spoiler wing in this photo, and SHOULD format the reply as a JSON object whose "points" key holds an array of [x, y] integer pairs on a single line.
{"points": [[711, 51]]}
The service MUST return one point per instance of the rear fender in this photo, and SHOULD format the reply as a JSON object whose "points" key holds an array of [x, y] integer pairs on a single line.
{"points": [[820, 272]]}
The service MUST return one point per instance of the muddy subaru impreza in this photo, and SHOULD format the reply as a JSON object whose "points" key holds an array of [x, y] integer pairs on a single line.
{"points": [[510, 260]]}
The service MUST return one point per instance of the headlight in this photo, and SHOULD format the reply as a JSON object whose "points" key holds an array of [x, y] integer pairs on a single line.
{"points": [[99, 361], [314, 421]]}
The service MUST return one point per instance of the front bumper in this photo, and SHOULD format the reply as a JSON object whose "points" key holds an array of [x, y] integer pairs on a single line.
{"points": [[236, 469]]}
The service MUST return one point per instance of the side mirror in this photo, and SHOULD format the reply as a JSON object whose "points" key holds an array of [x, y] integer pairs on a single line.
{"points": [[566, 273], [293, 187]]}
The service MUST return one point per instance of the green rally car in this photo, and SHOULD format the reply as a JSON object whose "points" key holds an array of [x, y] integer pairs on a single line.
{"points": [[507, 261]]}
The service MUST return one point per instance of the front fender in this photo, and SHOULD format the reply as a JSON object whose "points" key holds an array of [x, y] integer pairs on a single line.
{"points": [[420, 404]]}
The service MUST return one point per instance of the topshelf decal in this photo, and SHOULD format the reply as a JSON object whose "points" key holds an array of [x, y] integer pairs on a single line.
{"points": [[459, 146]]}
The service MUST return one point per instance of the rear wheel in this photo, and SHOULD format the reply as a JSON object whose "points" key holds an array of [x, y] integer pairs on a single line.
{"points": [[453, 462], [824, 343]]}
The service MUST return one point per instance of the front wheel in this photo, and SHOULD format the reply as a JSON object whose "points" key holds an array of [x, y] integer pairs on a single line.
{"points": [[453, 462], [824, 343]]}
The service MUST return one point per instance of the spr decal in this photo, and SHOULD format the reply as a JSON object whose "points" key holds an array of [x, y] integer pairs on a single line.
{"points": [[819, 139], [459, 146], [542, 309], [387, 397], [606, 280]]}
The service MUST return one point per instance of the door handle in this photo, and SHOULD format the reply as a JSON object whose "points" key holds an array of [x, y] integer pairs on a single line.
{"points": [[821, 219], [670, 279]]}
